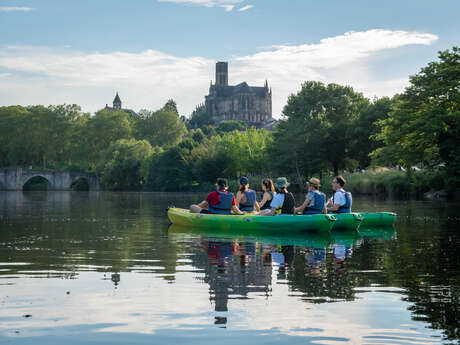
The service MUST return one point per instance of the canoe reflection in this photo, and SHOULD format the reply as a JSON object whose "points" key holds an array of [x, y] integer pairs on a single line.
{"points": [[241, 266]]}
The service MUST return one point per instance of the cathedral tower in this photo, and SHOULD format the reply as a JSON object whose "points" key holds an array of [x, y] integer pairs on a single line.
{"points": [[222, 73]]}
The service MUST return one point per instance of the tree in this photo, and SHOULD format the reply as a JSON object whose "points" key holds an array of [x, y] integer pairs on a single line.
{"points": [[229, 126], [160, 128], [170, 107], [424, 126], [317, 132], [102, 129], [200, 118], [121, 164], [365, 129]]}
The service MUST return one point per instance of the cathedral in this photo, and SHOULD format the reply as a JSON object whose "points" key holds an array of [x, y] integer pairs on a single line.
{"points": [[250, 104]]}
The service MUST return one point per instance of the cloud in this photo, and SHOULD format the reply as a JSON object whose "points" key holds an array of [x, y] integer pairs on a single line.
{"points": [[245, 8], [228, 8], [40, 75], [227, 4], [16, 9]]}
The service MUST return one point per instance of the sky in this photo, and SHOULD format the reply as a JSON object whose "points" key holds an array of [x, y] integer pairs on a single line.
{"points": [[83, 52]]}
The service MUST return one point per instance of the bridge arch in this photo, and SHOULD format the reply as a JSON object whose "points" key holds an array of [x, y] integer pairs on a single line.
{"points": [[80, 183], [36, 179]]}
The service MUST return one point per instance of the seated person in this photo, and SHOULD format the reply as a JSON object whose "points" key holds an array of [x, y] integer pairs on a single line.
{"points": [[341, 200], [283, 202], [314, 200], [269, 193], [246, 198], [218, 202]]}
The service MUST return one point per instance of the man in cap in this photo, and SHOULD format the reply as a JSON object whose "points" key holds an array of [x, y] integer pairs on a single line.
{"points": [[219, 201], [283, 202], [314, 200]]}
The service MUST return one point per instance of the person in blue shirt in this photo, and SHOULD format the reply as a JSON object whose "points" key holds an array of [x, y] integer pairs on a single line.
{"points": [[315, 201], [341, 200]]}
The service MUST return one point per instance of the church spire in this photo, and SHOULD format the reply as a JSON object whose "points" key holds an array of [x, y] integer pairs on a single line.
{"points": [[117, 102]]}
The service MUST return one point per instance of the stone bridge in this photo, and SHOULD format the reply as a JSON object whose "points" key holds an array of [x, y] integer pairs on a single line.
{"points": [[16, 178]]}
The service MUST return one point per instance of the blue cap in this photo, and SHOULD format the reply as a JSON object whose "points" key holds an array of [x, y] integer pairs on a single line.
{"points": [[244, 180]]}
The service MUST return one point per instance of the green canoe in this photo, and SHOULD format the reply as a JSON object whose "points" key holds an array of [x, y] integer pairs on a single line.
{"points": [[347, 221], [378, 219], [250, 222]]}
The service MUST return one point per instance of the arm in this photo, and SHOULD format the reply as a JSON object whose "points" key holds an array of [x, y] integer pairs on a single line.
{"points": [[303, 206], [270, 212], [236, 210], [334, 208], [256, 205], [264, 199]]}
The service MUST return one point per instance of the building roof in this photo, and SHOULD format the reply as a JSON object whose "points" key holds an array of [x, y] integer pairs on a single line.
{"points": [[117, 99], [230, 90]]}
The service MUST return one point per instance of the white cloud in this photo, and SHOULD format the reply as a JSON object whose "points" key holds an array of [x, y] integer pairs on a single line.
{"points": [[16, 9], [39, 75], [227, 4], [245, 8], [228, 8]]}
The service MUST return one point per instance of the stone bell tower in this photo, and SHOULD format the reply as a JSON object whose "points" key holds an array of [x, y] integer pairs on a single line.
{"points": [[222, 73]]}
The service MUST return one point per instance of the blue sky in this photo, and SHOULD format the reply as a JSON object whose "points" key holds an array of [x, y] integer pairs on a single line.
{"points": [[82, 52]]}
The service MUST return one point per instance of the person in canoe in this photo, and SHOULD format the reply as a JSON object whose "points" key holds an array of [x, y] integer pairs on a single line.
{"points": [[314, 200], [246, 198], [283, 202], [341, 200], [219, 201], [269, 192]]}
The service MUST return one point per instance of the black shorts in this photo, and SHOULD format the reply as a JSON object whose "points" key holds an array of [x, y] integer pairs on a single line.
{"points": [[205, 211]]}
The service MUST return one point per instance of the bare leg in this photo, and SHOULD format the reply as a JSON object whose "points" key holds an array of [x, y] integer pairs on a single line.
{"points": [[195, 209]]}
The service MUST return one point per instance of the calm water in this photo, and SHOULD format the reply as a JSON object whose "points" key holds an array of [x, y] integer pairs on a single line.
{"points": [[106, 268]]}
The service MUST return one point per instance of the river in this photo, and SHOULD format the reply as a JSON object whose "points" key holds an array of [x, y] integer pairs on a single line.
{"points": [[106, 268]]}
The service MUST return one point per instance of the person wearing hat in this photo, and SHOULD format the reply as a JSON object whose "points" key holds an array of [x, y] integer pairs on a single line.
{"points": [[219, 201], [246, 198], [283, 202], [314, 200]]}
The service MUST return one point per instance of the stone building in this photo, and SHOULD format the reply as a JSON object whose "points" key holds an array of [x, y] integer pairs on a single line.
{"points": [[117, 106], [251, 104]]}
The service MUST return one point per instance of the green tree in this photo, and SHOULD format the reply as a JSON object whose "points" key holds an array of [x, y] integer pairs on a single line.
{"points": [[424, 126], [317, 132], [365, 129], [103, 129], [121, 164], [229, 126], [170, 107], [160, 128], [200, 118]]}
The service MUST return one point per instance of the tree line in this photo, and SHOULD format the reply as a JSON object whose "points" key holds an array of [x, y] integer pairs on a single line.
{"points": [[324, 129]]}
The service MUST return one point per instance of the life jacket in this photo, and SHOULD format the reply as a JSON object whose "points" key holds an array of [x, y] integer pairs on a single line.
{"points": [[268, 203], [345, 208], [225, 204], [288, 204], [318, 206], [250, 201]]}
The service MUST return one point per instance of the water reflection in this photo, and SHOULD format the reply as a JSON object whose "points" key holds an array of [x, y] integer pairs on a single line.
{"points": [[180, 278]]}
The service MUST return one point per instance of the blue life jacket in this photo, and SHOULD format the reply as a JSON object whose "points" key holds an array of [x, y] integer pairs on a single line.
{"points": [[248, 206], [268, 203], [319, 201], [346, 208], [225, 204]]}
